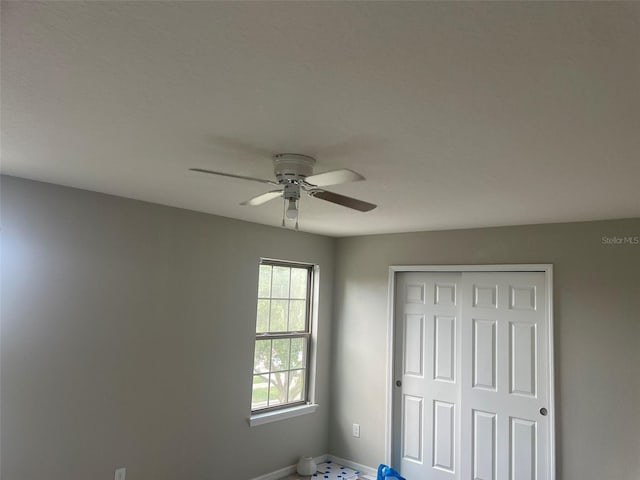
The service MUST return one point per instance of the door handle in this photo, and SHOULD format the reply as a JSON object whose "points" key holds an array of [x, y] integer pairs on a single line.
{"points": [[398, 383], [543, 412]]}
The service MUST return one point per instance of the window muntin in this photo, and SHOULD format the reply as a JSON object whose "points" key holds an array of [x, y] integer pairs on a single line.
{"points": [[283, 334]]}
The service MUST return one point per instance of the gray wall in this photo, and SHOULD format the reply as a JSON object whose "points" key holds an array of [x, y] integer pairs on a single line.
{"points": [[127, 339], [127, 336], [597, 335]]}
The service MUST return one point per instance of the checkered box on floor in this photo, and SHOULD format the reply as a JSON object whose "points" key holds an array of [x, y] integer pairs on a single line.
{"points": [[334, 471]]}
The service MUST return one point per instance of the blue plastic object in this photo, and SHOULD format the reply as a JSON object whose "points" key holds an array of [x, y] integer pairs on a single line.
{"points": [[387, 473]]}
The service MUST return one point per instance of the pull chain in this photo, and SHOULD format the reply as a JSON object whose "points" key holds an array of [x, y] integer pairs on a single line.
{"points": [[284, 207], [298, 215]]}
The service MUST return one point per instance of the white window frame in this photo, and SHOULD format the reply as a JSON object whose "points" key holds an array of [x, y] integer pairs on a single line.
{"points": [[307, 405]]}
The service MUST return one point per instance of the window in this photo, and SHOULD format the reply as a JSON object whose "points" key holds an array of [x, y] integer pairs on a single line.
{"points": [[283, 336]]}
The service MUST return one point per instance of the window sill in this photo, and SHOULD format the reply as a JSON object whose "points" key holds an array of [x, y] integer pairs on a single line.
{"points": [[268, 417]]}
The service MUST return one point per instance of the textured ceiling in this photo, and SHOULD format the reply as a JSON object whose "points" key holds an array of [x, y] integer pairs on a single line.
{"points": [[459, 114]]}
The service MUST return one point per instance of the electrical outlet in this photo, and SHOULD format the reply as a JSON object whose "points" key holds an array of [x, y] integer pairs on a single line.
{"points": [[356, 430], [120, 474]]}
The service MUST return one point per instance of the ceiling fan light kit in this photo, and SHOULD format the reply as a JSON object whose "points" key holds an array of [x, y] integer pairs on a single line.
{"points": [[292, 211], [294, 172]]}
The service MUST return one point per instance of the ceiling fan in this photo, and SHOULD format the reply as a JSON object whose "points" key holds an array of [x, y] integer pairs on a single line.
{"points": [[294, 173]]}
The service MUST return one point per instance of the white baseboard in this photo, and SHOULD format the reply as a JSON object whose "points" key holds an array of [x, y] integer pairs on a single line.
{"points": [[356, 466], [278, 474], [291, 469]]}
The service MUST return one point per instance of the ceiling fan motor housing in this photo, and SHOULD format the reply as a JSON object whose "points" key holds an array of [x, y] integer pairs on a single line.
{"points": [[292, 167]]}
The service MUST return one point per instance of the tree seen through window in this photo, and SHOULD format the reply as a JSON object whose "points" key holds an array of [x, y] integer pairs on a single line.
{"points": [[280, 372]]}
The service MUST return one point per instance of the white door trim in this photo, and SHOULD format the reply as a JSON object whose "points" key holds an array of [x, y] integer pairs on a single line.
{"points": [[548, 271]]}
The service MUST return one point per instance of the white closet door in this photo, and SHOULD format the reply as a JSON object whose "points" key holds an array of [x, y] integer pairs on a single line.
{"points": [[426, 364], [471, 367], [504, 397]]}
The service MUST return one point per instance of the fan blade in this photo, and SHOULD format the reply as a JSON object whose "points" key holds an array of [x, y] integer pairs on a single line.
{"points": [[260, 180], [342, 200], [333, 177], [263, 198]]}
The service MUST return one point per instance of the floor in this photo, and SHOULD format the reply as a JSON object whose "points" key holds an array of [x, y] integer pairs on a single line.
{"points": [[330, 471]]}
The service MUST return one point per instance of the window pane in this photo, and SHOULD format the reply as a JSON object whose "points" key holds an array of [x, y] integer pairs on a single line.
{"points": [[296, 385], [262, 356], [279, 314], [298, 353], [299, 282], [280, 355], [280, 282], [264, 282], [260, 391], [280, 370], [297, 311], [262, 322], [278, 388]]}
